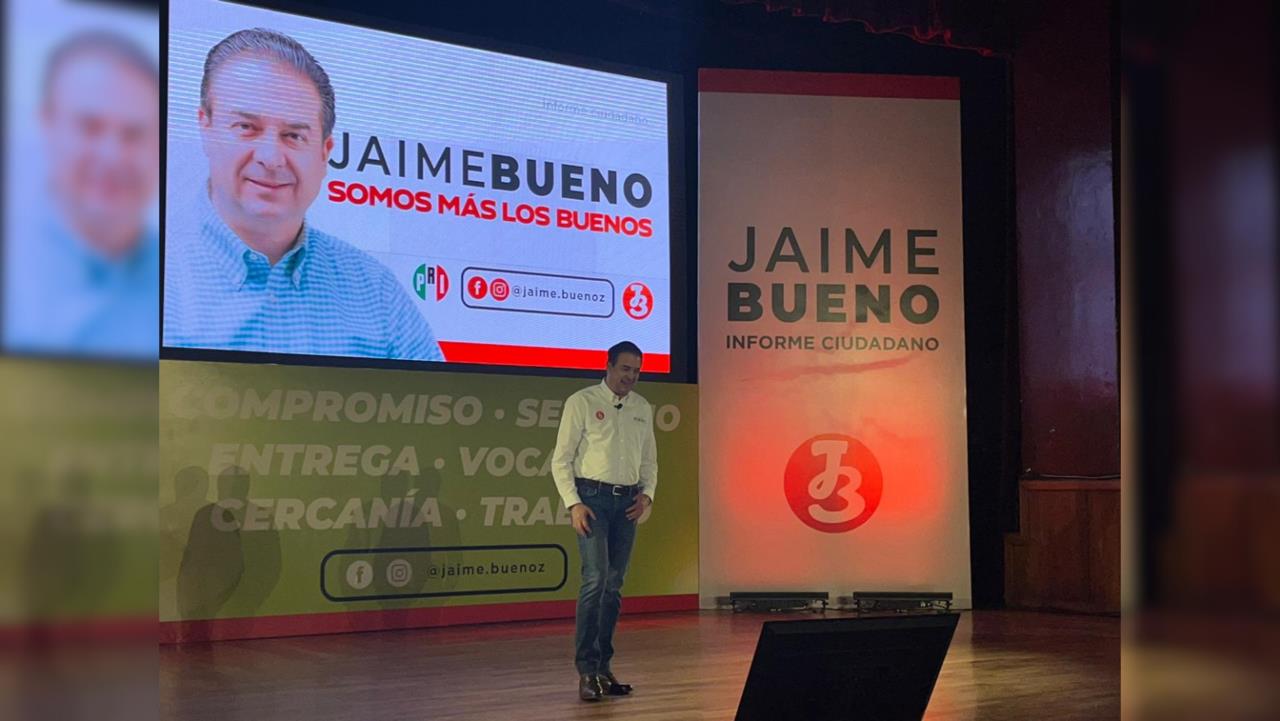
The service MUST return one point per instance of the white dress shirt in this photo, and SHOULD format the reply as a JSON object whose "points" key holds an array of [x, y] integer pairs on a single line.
{"points": [[600, 441]]}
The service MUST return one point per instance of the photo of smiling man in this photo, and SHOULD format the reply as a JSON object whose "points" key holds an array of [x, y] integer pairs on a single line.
{"points": [[81, 263], [244, 270]]}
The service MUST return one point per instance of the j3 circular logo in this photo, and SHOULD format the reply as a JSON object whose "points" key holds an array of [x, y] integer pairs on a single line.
{"points": [[833, 483], [637, 300]]}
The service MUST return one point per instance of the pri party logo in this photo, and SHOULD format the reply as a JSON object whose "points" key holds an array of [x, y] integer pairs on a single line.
{"points": [[434, 276], [833, 483]]}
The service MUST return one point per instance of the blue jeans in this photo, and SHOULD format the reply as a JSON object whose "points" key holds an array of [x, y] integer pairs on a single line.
{"points": [[605, 553]]}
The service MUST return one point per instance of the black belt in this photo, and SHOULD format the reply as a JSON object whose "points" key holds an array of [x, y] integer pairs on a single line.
{"points": [[611, 488]]}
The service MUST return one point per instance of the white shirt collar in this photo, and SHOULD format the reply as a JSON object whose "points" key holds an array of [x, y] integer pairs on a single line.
{"points": [[614, 396]]}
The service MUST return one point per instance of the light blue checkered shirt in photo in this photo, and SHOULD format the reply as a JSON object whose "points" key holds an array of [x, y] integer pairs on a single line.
{"points": [[324, 297]]}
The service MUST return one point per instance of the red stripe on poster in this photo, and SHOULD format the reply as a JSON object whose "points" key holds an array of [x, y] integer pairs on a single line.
{"points": [[534, 357], [921, 87], [225, 629]]}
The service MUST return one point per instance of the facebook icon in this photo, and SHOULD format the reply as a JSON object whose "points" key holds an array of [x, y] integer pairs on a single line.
{"points": [[359, 575]]}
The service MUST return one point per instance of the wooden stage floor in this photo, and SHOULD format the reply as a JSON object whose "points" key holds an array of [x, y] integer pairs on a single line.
{"points": [[1003, 665]]}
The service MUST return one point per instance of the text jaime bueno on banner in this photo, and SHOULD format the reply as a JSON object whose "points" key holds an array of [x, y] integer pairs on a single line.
{"points": [[843, 302], [831, 310]]}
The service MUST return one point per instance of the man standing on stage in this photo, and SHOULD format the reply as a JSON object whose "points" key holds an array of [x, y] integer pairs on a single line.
{"points": [[606, 469]]}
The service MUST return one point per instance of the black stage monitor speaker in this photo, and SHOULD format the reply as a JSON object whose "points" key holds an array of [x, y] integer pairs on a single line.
{"points": [[874, 668]]}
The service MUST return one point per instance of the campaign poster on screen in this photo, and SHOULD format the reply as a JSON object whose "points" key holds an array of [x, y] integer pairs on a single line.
{"points": [[334, 190], [79, 180]]}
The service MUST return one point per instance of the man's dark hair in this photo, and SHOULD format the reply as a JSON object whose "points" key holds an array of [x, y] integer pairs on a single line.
{"points": [[102, 43], [625, 346], [278, 47]]}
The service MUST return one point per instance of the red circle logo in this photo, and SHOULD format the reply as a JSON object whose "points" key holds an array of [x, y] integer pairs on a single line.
{"points": [[637, 301], [499, 289], [477, 287], [599, 415], [833, 483]]}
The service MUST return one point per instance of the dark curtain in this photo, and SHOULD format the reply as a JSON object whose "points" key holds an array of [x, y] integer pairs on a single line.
{"points": [[979, 25], [982, 26]]}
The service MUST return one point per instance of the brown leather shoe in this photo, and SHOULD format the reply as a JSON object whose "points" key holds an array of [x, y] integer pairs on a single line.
{"points": [[589, 688], [613, 686]]}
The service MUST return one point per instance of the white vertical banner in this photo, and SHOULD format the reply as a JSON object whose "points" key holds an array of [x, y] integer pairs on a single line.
{"points": [[831, 341]]}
